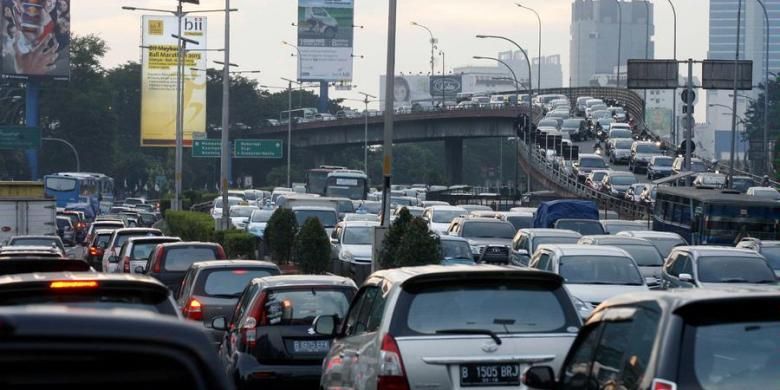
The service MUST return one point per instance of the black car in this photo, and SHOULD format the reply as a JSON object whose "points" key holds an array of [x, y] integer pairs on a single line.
{"points": [[211, 288], [170, 261], [91, 349], [688, 339], [30, 264], [269, 340]]}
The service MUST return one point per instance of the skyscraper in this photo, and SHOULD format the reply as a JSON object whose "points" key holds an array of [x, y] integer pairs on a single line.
{"points": [[595, 31]]}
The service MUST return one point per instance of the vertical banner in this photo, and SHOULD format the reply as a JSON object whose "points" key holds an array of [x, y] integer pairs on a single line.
{"points": [[158, 80], [36, 39], [325, 37]]}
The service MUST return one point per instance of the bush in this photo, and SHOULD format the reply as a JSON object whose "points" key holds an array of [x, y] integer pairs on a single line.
{"points": [[238, 244], [312, 248], [280, 234], [418, 246], [190, 226], [387, 255]]}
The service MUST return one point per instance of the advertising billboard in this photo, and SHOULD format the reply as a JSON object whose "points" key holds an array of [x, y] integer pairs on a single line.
{"points": [[158, 80], [325, 36], [36, 39], [447, 86]]}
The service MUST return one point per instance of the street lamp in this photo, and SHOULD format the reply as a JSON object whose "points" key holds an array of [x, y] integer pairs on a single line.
{"points": [[674, 91], [443, 69], [620, 39], [539, 66], [365, 131], [289, 125], [68, 144], [767, 154], [433, 49], [514, 77]]}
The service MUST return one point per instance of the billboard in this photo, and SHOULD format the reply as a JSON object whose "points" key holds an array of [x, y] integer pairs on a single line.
{"points": [[158, 80], [36, 39], [719, 74], [447, 86], [325, 36], [652, 74]]}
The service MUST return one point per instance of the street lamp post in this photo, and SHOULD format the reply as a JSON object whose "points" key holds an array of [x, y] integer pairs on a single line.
{"points": [[289, 126], [734, 101], [365, 131], [387, 149], [674, 91], [620, 39], [767, 153], [433, 49], [68, 144], [225, 156], [441, 53], [539, 66]]}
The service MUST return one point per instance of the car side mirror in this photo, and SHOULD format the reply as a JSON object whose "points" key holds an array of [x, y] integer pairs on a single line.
{"points": [[522, 252], [219, 323], [687, 278], [651, 282], [539, 377], [334, 241], [325, 325]]}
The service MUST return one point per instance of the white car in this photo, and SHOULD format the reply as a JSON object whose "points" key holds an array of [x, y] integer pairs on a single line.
{"points": [[764, 193], [239, 215], [134, 254], [439, 217], [216, 209], [111, 257], [258, 222], [352, 244]]}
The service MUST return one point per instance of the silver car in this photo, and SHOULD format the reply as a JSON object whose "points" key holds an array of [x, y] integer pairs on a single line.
{"points": [[449, 327]]}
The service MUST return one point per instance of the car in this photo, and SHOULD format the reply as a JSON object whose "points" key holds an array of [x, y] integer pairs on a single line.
{"points": [[30, 250], [88, 290], [689, 339], [586, 164], [575, 128], [270, 339], [123, 348], [475, 207], [94, 249], [619, 150], [328, 216], [111, 257], [239, 216], [104, 225], [134, 253], [79, 223], [697, 165], [66, 230], [763, 192], [617, 183], [211, 289], [33, 264], [520, 220], [620, 131], [647, 257], [595, 178], [642, 152], [431, 327], [526, 241], [481, 232], [455, 250], [663, 241], [169, 262], [615, 226], [216, 208], [579, 105], [742, 183], [634, 191], [258, 221], [133, 202], [580, 225], [647, 197], [40, 241], [439, 217], [767, 248], [714, 266], [710, 180], [352, 246], [591, 273], [659, 167]]}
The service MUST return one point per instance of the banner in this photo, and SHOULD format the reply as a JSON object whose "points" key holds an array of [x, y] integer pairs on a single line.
{"points": [[325, 36], [158, 80], [447, 86], [36, 39]]}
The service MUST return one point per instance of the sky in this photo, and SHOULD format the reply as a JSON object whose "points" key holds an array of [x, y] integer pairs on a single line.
{"points": [[259, 27]]}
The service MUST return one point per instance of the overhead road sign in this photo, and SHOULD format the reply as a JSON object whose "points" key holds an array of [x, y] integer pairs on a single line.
{"points": [[19, 137], [652, 74], [258, 148]]}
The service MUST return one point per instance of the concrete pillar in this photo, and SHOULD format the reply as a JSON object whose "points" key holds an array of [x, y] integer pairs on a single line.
{"points": [[453, 153]]}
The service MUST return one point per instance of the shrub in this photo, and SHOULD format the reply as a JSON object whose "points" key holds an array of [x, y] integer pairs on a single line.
{"points": [[280, 234], [312, 248], [190, 226], [238, 244], [418, 246], [387, 255]]}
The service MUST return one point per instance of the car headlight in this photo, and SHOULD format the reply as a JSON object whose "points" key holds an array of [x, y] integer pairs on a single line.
{"points": [[475, 249], [583, 308], [346, 255]]}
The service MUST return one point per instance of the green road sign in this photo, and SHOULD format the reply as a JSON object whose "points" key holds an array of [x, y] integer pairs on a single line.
{"points": [[258, 148], [206, 148], [19, 137]]}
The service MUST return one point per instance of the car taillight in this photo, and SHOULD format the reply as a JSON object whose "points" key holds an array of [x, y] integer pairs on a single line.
{"points": [[93, 251], [221, 253], [391, 375], [660, 384], [255, 317], [157, 261], [193, 310], [126, 264]]}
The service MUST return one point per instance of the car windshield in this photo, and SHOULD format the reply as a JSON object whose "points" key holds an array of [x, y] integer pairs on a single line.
{"points": [[229, 283], [644, 255], [598, 176], [358, 235], [648, 149], [623, 180], [262, 215], [328, 218], [663, 162], [242, 212], [142, 250], [772, 255], [766, 193], [572, 123], [179, 259], [599, 270], [665, 245], [619, 133], [553, 240], [627, 226], [624, 144], [300, 306], [455, 249], [488, 230], [489, 306], [122, 238], [585, 228], [521, 221], [734, 269], [596, 162], [33, 241], [446, 216]]}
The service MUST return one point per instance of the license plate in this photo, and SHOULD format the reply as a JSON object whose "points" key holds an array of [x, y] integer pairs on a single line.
{"points": [[311, 346], [507, 374]]}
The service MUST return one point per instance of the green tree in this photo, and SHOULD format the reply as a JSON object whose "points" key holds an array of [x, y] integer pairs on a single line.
{"points": [[312, 248], [754, 120], [280, 233], [418, 246], [388, 256]]}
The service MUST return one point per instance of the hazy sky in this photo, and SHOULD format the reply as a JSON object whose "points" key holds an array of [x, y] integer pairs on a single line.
{"points": [[259, 26]]}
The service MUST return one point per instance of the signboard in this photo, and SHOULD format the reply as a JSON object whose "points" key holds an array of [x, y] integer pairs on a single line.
{"points": [[719, 74], [203, 148], [258, 148], [19, 137], [448, 86], [36, 39], [652, 74], [158, 80], [325, 38]]}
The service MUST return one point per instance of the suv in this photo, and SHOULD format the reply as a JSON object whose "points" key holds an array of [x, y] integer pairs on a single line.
{"points": [[690, 339], [769, 249], [587, 163], [482, 232], [575, 127], [269, 339], [425, 327], [134, 253], [526, 241], [118, 238], [169, 262], [714, 266], [644, 253], [641, 154], [619, 150], [697, 165], [351, 246], [659, 167]]}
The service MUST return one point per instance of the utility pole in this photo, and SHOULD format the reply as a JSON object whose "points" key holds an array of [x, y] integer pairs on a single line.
{"points": [[225, 156], [387, 161], [365, 131], [689, 124], [734, 102]]}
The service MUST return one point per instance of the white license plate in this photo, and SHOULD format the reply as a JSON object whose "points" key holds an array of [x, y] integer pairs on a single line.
{"points": [[311, 346]]}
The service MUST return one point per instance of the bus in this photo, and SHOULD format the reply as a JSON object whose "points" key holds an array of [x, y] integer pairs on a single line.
{"points": [[95, 189], [348, 184], [316, 178], [714, 217]]}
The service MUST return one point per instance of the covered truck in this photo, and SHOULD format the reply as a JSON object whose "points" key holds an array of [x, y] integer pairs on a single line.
{"points": [[25, 210], [550, 212]]}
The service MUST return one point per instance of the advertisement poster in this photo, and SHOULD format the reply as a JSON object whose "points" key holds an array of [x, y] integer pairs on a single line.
{"points": [[36, 39], [325, 37], [158, 80]]}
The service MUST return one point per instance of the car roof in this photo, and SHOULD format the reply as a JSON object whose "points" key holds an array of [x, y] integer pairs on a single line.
{"points": [[472, 219], [402, 275], [36, 236], [304, 280], [188, 243], [545, 232], [136, 230], [355, 223], [445, 207], [313, 208], [577, 249], [701, 250], [211, 264], [103, 231], [604, 239], [153, 239], [677, 298], [649, 234], [114, 279], [31, 248]]}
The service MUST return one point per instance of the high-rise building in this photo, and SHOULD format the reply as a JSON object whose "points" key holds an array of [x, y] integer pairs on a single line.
{"points": [[552, 73], [595, 28]]}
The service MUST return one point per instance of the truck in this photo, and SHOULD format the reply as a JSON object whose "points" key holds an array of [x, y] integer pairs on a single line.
{"points": [[26, 210]]}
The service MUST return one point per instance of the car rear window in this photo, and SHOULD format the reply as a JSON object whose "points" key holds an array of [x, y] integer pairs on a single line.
{"points": [[300, 306], [644, 255], [102, 299], [734, 269], [496, 305], [33, 242], [122, 238], [587, 269], [521, 222], [586, 228], [228, 283], [179, 259], [102, 239], [142, 250]]}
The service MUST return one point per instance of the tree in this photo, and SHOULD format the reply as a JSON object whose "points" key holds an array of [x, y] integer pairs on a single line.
{"points": [[312, 248], [754, 120], [388, 257], [280, 233], [418, 246]]}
